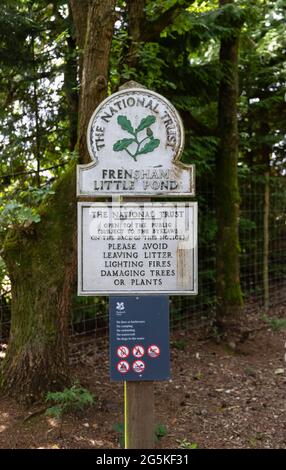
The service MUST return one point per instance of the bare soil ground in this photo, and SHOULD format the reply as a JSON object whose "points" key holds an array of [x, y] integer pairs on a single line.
{"points": [[217, 398]]}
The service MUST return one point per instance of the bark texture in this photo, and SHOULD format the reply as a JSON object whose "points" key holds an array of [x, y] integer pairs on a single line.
{"points": [[42, 269], [228, 281], [79, 11], [94, 84]]}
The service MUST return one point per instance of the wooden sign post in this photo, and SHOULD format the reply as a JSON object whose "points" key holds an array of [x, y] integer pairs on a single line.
{"points": [[139, 426], [132, 246], [139, 354]]}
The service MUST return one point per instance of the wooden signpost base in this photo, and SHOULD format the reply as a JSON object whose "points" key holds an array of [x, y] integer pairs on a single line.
{"points": [[138, 403], [139, 415]]}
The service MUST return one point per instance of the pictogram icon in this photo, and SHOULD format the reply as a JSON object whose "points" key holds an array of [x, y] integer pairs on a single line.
{"points": [[138, 366], [122, 351], [123, 367], [138, 351], [153, 351]]}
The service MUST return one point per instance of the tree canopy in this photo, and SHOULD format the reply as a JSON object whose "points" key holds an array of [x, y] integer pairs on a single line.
{"points": [[176, 54]]}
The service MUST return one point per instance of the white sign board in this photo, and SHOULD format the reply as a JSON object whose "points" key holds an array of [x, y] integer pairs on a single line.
{"points": [[137, 248], [135, 139]]}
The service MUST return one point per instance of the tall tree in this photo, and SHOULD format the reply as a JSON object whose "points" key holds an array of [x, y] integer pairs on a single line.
{"points": [[227, 193], [41, 258]]}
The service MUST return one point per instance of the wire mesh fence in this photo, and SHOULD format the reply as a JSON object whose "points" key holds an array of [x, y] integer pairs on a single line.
{"points": [[256, 269], [89, 316]]}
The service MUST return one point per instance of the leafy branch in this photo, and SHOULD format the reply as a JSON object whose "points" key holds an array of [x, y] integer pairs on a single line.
{"points": [[150, 142]]}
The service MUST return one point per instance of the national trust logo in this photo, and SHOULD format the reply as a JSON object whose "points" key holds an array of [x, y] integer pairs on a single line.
{"points": [[134, 143]]}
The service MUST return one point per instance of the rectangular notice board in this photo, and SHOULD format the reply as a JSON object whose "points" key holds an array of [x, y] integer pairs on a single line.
{"points": [[137, 248], [139, 338]]}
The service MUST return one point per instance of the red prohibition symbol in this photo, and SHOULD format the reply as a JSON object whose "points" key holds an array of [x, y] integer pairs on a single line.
{"points": [[138, 351], [122, 352], [123, 367], [138, 366], [153, 351]]}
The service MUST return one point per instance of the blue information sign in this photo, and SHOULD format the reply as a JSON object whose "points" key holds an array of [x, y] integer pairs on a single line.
{"points": [[139, 338]]}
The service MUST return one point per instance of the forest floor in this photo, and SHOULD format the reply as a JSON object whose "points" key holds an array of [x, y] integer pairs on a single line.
{"points": [[217, 398]]}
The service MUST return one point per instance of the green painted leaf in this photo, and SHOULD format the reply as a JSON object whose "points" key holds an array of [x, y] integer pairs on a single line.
{"points": [[149, 132], [122, 144], [125, 124], [146, 122], [150, 146]]}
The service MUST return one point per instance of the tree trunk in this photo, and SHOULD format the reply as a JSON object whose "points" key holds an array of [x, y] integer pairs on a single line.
{"points": [[79, 12], [229, 293], [42, 270], [41, 258], [136, 22], [99, 31]]}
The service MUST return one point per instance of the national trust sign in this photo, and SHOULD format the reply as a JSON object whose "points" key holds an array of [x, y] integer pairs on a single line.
{"points": [[135, 140]]}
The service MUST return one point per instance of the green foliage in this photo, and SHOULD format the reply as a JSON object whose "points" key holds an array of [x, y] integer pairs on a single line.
{"points": [[180, 344], [263, 80], [276, 324], [71, 399], [185, 444], [160, 432], [119, 428], [34, 127], [216, 333], [87, 308], [23, 209], [15, 213]]}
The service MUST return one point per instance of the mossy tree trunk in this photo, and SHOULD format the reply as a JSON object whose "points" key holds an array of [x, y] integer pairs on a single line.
{"points": [[42, 268], [229, 293], [98, 32], [41, 258]]}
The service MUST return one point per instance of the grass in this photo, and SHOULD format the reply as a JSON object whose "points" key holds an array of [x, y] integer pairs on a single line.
{"points": [[276, 324]]}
